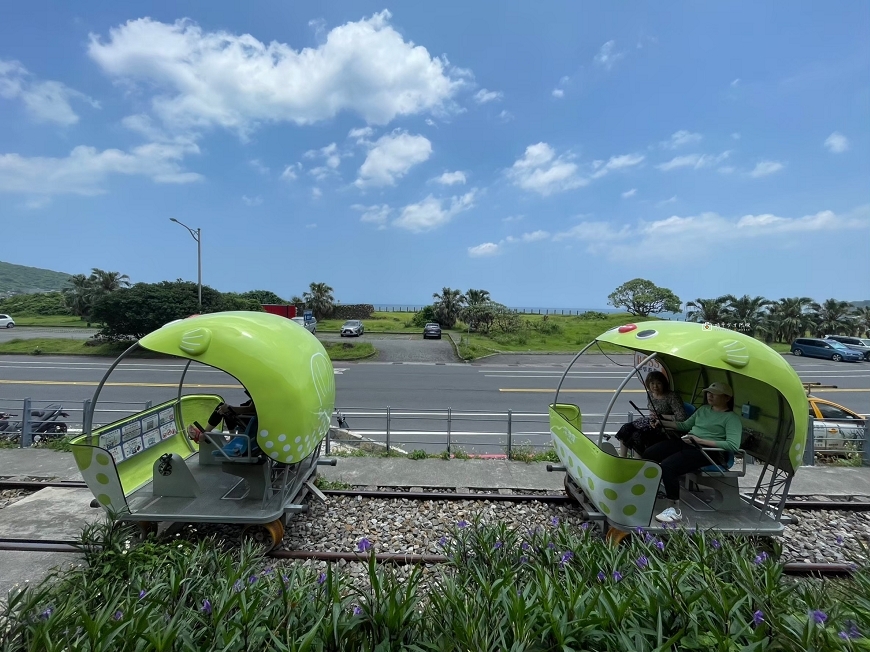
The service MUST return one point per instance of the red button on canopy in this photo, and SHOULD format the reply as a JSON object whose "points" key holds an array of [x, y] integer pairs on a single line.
{"points": [[627, 328]]}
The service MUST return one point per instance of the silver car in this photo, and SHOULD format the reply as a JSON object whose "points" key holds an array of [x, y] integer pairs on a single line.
{"points": [[6, 321], [308, 324], [352, 328]]}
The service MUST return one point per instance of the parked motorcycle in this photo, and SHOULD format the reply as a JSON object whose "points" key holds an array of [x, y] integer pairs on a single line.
{"points": [[45, 424]]}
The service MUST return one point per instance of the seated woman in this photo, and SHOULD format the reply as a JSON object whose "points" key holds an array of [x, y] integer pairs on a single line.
{"points": [[643, 433], [236, 417], [713, 425]]}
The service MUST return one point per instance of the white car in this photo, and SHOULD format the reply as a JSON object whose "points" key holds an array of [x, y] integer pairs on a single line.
{"points": [[6, 321], [308, 324], [835, 426]]}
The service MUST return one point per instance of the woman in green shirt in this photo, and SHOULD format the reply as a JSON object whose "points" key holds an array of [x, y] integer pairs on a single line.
{"points": [[713, 425]]}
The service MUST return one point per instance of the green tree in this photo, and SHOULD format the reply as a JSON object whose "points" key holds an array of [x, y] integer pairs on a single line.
{"points": [[475, 297], [37, 303], [747, 310], [480, 316], [319, 300], [103, 281], [79, 296], [707, 310], [862, 320], [643, 298], [424, 316], [136, 311], [787, 319], [448, 306], [264, 297], [833, 317]]}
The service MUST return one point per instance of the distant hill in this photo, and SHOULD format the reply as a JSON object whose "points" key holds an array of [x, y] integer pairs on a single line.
{"points": [[18, 278], [861, 304]]}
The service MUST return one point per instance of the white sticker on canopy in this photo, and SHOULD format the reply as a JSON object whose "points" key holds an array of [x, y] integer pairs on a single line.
{"points": [[650, 365]]}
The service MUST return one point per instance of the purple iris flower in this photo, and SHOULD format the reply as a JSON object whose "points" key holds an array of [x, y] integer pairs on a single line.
{"points": [[321, 578], [758, 618], [462, 524], [524, 559], [647, 537], [252, 579], [442, 541], [356, 610], [45, 615], [118, 615], [660, 545], [142, 594], [853, 631], [760, 559], [638, 530], [206, 607], [617, 576], [839, 540], [554, 521], [498, 544], [364, 544], [819, 617], [716, 545], [551, 545], [525, 545], [642, 562], [584, 525], [601, 576], [238, 586]]}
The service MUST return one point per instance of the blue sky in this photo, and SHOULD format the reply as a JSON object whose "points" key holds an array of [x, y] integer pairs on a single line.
{"points": [[546, 153]]}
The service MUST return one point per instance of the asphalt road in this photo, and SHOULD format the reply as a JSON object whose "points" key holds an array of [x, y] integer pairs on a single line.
{"points": [[523, 384], [38, 332]]}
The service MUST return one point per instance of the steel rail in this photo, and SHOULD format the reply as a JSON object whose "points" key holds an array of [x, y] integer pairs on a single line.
{"points": [[804, 505], [398, 558]]}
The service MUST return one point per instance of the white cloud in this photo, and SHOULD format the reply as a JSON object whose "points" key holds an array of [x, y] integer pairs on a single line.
{"points": [[736, 135], [695, 161], [390, 158], [449, 178], [606, 56], [430, 214], [735, 83], [376, 214], [290, 172], [431, 122], [541, 171], [837, 143], [252, 201], [330, 155], [483, 250], [534, 236], [85, 170], [36, 203], [505, 116], [726, 169], [694, 234], [258, 166], [617, 163], [316, 193], [483, 96], [763, 168], [45, 101], [665, 202], [513, 218], [629, 193], [680, 138], [361, 135], [206, 79], [558, 93]]}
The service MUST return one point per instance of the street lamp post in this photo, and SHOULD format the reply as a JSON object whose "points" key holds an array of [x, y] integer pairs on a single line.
{"points": [[196, 235]]}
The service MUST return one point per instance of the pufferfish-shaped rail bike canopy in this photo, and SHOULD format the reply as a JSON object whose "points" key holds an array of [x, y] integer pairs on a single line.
{"points": [[284, 368]]}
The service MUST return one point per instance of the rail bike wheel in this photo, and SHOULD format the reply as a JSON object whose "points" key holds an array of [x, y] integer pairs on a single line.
{"points": [[267, 535]]}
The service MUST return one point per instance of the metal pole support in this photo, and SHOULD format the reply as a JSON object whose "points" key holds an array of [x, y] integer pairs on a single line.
{"points": [[388, 429], [810, 448], [449, 428], [149, 405], [26, 433], [866, 451], [510, 435], [87, 426]]}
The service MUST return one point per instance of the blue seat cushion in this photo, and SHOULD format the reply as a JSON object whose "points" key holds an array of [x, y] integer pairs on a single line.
{"points": [[716, 468], [238, 446], [689, 408]]}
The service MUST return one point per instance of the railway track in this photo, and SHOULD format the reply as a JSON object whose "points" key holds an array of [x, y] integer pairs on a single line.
{"points": [[69, 546]]}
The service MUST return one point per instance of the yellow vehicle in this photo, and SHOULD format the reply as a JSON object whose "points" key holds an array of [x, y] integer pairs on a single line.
{"points": [[836, 429]]}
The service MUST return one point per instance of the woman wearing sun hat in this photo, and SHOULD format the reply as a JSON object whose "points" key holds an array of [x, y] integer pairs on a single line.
{"points": [[713, 425]]}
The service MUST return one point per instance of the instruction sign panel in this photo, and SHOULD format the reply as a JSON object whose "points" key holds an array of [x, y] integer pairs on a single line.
{"points": [[651, 365]]}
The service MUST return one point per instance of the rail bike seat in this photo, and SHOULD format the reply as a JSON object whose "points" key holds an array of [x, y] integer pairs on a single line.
{"points": [[242, 448]]}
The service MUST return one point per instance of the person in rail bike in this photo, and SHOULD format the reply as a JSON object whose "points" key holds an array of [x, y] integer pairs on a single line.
{"points": [[714, 425], [642, 433], [236, 417]]}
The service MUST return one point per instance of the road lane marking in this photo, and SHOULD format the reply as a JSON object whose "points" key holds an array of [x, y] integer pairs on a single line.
{"points": [[94, 383], [535, 390]]}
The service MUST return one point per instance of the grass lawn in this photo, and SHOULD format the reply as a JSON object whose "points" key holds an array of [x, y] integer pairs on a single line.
{"points": [[62, 321], [58, 346]]}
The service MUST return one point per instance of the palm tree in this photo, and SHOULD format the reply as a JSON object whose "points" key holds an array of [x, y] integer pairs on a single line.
{"points": [[108, 281], [788, 319], [707, 310], [448, 306], [79, 297], [319, 300], [746, 310], [476, 297], [834, 317], [862, 320]]}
